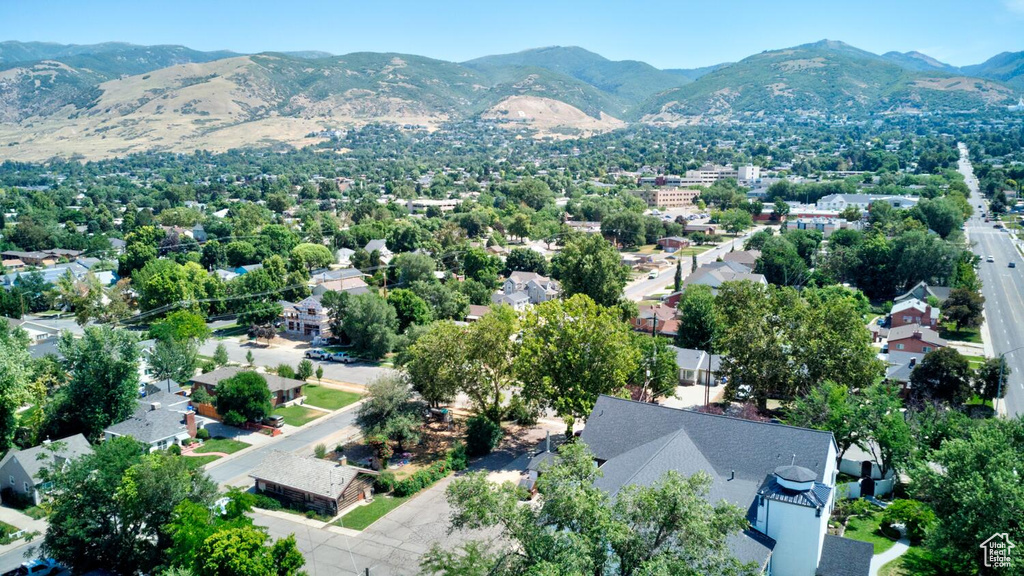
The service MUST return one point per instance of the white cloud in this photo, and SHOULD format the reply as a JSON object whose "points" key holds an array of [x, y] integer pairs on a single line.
{"points": [[1016, 6]]}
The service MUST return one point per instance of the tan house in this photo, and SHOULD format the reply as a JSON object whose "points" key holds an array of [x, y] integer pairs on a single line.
{"points": [[321, 485]]}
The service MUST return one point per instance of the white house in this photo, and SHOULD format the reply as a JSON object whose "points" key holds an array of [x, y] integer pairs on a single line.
{"points": [[537, 288], [783, 477], [307, 318]]}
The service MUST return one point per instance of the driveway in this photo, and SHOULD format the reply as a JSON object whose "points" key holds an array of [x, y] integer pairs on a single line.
{"points": [[394, 544], [357, 373]]}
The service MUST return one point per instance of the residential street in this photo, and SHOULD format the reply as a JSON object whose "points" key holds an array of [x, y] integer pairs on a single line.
{"points": [[647, 286], [358, 373], [1002, 289]]}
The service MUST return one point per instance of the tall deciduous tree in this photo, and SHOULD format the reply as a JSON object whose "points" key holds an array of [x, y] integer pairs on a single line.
{"points": [[14, 379], [525, 260], [830, 407], [887, 433], [943, 376], [243, 398], [589, 265], [103, 384], [371, 324], [572, 351], [698, 318], [963, 308]]}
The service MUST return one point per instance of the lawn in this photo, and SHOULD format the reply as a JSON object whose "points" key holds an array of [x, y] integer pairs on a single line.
{"points": [[975, 361], [298, 415], [691, 250], [229, 331], [915, 560], [199, 461], [866, 529], [225, 445], [948, 332], [328, 398], [361, 517]]}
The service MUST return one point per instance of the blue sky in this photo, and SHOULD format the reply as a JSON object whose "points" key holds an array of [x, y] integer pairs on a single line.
{"points": [[665, 33]]}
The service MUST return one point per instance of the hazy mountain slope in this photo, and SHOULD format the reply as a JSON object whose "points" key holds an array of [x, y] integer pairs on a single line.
{"points": [[111, 59], [627, 80], [694, 73], [1006, 67], [814, 79], [919, 62]]}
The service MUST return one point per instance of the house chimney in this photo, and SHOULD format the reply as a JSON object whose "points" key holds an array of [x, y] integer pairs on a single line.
{"points": [[547, 442], [916, 335], [190, 423], [343, 461], [154, 406], [913, 362]]}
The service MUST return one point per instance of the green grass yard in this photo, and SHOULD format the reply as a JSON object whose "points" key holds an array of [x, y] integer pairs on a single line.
{"points": [[328, 398], [866, 529], [225, 445], [195, 462], [948, 332], [298, 415], [361, 517], [975, 361]]}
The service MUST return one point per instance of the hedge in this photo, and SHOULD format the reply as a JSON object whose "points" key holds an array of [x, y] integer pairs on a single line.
{"points": [[455, 460]]}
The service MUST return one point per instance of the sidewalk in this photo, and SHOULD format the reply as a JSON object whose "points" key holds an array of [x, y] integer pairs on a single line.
{"points": [[22, 522], [897, 550]]}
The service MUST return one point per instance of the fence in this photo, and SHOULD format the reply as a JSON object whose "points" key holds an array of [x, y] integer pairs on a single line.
{"points": [[851, 490]]}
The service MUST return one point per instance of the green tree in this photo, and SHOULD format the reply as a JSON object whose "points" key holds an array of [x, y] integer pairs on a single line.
{"points": [[174, 359], [677, 282], [698, 318], [481, 266], [589, 265], [243, 398], [780, 209], [410, 308], [574, 350], [668, 527], [436, 362], [991, 379], [657, 373], [519, 227], [103, 385], [445, 303], [943, 376], [311, 256], [305, 370], [973, 485], [964, 308], [319, 373], [243, 551], [781, 263], [829, 407], [887, 435], [109, 507], [220, 355], [625, 228], [181, 326], [371, 324], [735, 220], [414, 267], [525, 260], [389, 411], [14, 379]]}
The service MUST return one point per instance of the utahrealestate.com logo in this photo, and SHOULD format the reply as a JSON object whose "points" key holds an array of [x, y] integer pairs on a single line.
{"points": [[997, 550]]}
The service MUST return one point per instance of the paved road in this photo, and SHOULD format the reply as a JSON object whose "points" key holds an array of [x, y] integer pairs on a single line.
{"points": [[1002, 289], [358, 373], [642, 289]]}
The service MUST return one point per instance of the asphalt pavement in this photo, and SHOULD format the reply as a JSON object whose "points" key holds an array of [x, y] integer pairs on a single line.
{"points": [[648, 286], [1002, 289]]}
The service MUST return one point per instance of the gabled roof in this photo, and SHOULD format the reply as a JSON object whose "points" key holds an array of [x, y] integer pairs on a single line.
{"points": [[907, 331], [909, 303], [924, 290], [378, 245], [524, 277], [305, 474], [745, 257], [33, 460], [274, 382], [150, 426]]}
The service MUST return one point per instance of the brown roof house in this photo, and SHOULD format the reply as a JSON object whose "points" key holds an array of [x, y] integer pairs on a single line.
{"points": [[311, 483], [914, 338], [21, 470], [281, 389]]}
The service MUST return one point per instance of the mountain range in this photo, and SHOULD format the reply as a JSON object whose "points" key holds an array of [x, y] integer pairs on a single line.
{"points": [[115, 98]]}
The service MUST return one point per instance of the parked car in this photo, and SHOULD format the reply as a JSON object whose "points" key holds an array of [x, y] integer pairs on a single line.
{"points": [[1013, 264], [990, 259], [342, 357], [318, 354], [274, 421], [653, 274], [40, 567]]}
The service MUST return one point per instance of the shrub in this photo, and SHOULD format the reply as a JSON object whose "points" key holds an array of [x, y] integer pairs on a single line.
{"points": [[915, 516], [384, 483], [320, 450], [203, 434], [844, 509], [457, 457], [522, 413], [208, 367], [311, 514], [174, 450], [482, 435], [285, 371], [266, 502], [422, 478]]}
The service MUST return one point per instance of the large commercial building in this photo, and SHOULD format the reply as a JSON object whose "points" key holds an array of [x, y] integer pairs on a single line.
{"points": [[668, 197]]}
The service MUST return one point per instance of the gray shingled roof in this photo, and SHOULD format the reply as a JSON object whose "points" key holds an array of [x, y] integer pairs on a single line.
{"points": [[68, 449], [844, 557], [274, 382], [310, 475], [150, 426], [906, 331]]}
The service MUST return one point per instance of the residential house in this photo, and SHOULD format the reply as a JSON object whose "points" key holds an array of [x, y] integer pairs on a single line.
{"points": [[673, 243], [160, 420], [747, 258], [477, 312], [306, 318], [914, 338], [710, 229], [537, 288], [247, 268], [21, 470], [783, 477], [861, 463], [199, 233], [913, 311], [899, 365], [382, 249], [353, 286], [922, 290], [343, 256], [658, 317], [697, 366], [312, 483], [12, 265], [714, 274], [37, 332], [225, 275], [282, 390], [517, 300]]}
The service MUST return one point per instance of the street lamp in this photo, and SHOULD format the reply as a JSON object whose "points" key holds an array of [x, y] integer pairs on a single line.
{"points": [[1002, 363]]}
